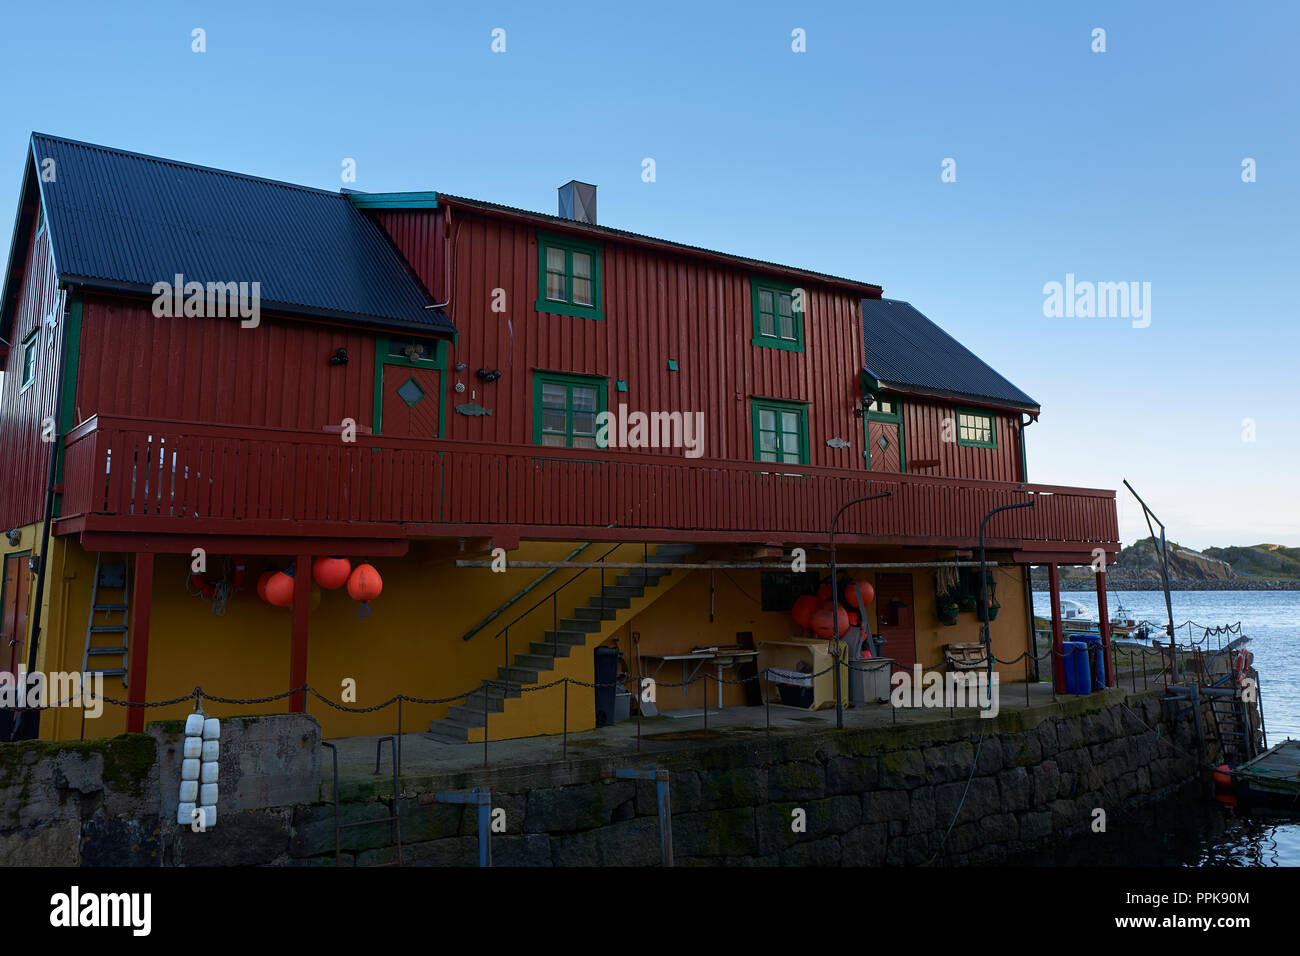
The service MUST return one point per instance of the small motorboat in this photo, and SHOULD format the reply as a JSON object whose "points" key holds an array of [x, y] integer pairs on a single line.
{"points": [[1123, 623]]}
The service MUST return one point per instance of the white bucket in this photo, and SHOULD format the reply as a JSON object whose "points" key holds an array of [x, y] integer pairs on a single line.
{"points": [[194, 725], [211, 729], [208, 795], [209, 772], [209, 818], [193, 747], [211, 751], [189, 791], [190, 769], [185, 814]]}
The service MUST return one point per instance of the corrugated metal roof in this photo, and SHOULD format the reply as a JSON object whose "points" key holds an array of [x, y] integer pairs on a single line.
{"points": [[125, 220], [598, 230], [904, 349]]}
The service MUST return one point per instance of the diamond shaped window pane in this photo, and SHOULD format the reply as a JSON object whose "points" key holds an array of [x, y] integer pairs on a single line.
{"points": [[410, 392], [883, 443]]}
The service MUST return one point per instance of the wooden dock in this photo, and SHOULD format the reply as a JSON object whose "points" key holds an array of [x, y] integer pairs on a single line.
{"points": [[1273, 778]]}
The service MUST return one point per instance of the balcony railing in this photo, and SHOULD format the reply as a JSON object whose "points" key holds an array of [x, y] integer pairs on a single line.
{"points": [[130, 474]]}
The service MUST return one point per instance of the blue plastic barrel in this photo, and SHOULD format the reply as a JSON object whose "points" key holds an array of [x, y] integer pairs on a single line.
{"points": [[1097, 655], [1077, 679]]}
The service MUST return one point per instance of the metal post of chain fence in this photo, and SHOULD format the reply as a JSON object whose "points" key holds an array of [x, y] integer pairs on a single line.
{"points": [[555, 624], [507, 693], [399, 732], [766, 687], [566, 718], [1052, 661], [892, 709], [485, 719], [706, 704]]}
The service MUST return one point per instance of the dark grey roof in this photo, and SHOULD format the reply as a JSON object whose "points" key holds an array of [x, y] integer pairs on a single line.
{"points": [[125, 220], [907, 351], [597, 231]]}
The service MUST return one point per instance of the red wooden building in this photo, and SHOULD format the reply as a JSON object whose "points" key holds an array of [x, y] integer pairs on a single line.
{"points": [[411, 355]]}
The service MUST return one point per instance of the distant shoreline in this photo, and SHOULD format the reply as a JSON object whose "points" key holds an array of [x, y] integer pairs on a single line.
{"points": [[1115, 586]]}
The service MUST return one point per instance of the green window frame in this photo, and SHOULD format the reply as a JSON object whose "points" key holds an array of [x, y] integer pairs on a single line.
{"points": [[30, 345], [883, 408], [773, 432], [777, 323], [564, 416], [976, 428], [568, 277]]}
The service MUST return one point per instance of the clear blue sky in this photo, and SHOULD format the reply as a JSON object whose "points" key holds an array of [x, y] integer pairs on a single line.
{"points": [[1115, 166]]}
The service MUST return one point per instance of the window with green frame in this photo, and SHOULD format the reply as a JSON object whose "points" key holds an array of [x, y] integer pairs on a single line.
{"points": [[975, 429], [780, 431], [565, 409], [883, 409], [778, 320], [568, 277], [29, 360]]}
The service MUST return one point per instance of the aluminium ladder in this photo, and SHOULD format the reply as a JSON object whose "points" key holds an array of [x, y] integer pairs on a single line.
{"points": [[106, 640]]}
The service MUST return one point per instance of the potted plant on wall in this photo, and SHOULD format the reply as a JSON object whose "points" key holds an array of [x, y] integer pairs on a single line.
{"points": [[947, 609]]}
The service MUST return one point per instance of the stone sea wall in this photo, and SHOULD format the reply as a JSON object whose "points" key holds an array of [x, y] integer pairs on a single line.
{"points": [[961, 791]]}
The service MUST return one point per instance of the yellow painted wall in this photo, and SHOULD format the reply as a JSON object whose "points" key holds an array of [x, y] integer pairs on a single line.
{"points": [[411, 642]]}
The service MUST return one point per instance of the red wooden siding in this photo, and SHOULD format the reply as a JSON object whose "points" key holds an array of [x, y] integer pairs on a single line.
{"points": [[657, 306], [179, 477], [24, 458], [214, 370], [924, 423]]}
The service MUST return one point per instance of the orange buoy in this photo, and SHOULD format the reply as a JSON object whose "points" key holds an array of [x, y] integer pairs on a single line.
{"points": [[331, 572], [825, 618], [365, 584], [824, 592], [803, 609], [261, 584], [279, 589], [851, 589], [1222, 775]]}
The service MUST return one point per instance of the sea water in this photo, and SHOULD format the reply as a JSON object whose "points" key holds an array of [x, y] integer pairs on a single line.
{"points": [[1188, 830]]}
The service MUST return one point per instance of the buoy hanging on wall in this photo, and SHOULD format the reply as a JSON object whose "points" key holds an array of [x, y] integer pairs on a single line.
{"points": [[279, 589], [365, 585], [803, 609], [331, 572], [262, 580]]}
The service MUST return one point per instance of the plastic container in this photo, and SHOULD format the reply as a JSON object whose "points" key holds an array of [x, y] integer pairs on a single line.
{"points": [[1097, 656], [1077, 678], [606, 667]]}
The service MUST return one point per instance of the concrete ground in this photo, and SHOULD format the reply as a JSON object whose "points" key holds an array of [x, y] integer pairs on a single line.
{"points": [[423, 757]]}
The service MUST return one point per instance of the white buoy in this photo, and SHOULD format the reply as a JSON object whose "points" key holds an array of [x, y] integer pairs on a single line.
{"points": [[208, 795], [194, 725], [189, 791], [211, 729], [209, 772], [190, 769], [193, 747], [211, 751], [185, 814]]}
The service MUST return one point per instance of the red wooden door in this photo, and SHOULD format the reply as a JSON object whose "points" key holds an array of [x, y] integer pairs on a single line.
{"points": [[884, 446], [894, 617], [13, 616], [411, 401]]}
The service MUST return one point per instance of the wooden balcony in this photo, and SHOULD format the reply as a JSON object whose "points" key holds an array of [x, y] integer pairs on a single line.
{"points": [[165, 478]]}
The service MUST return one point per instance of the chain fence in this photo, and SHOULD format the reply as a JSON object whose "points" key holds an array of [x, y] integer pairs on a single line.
{"points": [[1170, 668]]}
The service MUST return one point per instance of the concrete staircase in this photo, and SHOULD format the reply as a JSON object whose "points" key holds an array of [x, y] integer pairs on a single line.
{"points": [[605, 612]]}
